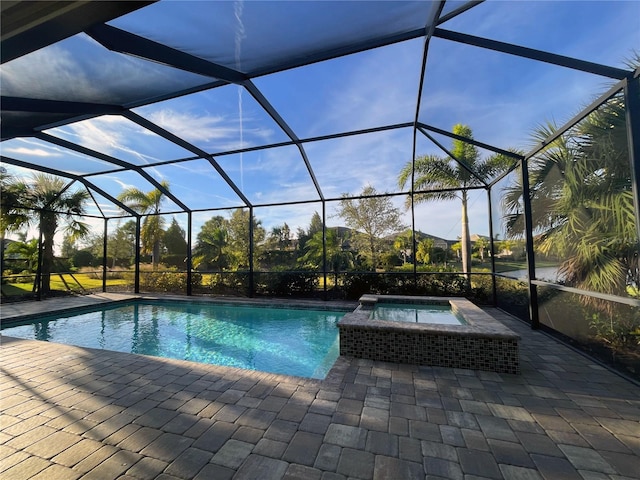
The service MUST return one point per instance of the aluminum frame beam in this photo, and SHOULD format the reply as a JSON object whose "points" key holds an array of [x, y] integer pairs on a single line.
{"points": [[533, 54], [461, 163], [29, 26], [273, 113], [107, 158], [472, 141], [79, 178], [122, 41], [143, 122], [33, 105]]}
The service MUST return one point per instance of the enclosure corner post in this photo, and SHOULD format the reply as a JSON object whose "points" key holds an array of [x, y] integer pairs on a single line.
{"points": [[136, 281], [189, 259], [632, 112], [104, 257], [37, 285], [528, 231], [494, 293], [251, 248], [324, 249]]}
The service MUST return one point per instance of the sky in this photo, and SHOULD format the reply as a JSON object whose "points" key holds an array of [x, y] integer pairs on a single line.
{"points": [[502, 98]]}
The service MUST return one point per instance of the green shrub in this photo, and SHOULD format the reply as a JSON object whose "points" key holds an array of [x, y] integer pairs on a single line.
{"points": [[620, 332], [357, 284], [164, 281], [84, 258], [229, 283], [174, 260], [286, 284]]}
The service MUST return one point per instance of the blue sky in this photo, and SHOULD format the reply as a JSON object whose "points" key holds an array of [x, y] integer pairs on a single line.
{"points": [[502, 98]]}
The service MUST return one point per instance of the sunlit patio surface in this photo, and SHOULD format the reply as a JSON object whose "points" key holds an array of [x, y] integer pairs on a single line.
{"points": [[70, 412]]}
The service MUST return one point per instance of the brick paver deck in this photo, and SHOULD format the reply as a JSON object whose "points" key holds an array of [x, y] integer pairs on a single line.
{"points": [[77, 413]]}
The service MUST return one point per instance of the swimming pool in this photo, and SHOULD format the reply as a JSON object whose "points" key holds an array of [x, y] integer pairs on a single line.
{"points": [[294, 341], [429, 313]]}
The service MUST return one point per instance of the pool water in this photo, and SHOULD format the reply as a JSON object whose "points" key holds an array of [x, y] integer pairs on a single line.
{"points": [[398, 312], [290, 341]]}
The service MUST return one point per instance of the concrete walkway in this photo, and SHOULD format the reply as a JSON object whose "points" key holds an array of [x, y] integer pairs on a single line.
{"points": [[68, 413]]}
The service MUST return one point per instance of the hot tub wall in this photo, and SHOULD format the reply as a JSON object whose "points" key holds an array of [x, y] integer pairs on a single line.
{"points": [[428, 348], [482, 343]]}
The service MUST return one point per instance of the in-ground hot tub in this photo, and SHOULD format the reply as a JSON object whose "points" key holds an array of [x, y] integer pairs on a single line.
{"points": [[477, 342]]}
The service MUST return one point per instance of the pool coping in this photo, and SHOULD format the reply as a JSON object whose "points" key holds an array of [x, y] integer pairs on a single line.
{"points": [[114, 299]]}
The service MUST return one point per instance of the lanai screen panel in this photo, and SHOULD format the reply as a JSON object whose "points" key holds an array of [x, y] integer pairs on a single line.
{"points": [[45, 154], [78, 69], [221, 119], [121, 138], [274, 175], [349, 93], [197, 184], [347, 165], [255, 37], [573, 29], [116, 183], [492, 105]]}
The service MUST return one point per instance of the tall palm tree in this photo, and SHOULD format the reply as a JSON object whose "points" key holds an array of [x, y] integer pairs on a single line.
{"points": [[451, 179], [148, 203], [48, 202]]}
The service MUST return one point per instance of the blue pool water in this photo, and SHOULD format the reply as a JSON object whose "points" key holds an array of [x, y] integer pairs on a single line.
{"points": [[400, 312], [291, 341]]}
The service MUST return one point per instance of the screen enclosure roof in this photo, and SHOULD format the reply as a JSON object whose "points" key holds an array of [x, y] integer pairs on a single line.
{"points": [[262, 103]]}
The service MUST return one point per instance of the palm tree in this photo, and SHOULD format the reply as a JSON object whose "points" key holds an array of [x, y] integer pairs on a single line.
{"points": [[148, 203], [211, 248], [404, 243], [582, 203], [12, 217], [27, 250], [481, 244], [424, 250], [338, 256], [48, 201], [12, 191], [451, 179]]}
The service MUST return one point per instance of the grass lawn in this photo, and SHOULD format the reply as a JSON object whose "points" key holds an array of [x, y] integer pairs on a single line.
{"points": [[57, 284]]}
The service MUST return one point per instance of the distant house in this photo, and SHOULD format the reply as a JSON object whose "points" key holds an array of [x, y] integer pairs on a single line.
{"points": [[437, 241]]}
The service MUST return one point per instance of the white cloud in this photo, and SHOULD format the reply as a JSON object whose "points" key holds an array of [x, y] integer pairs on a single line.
{"points": [[221, 132], [192, 127], [32, 152]]}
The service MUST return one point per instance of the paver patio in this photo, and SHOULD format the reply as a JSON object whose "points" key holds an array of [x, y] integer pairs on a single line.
{"points": [[71, 413]]}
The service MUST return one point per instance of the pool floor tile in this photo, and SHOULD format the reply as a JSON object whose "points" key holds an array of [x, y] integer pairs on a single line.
{"points": [[107, 415]]}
